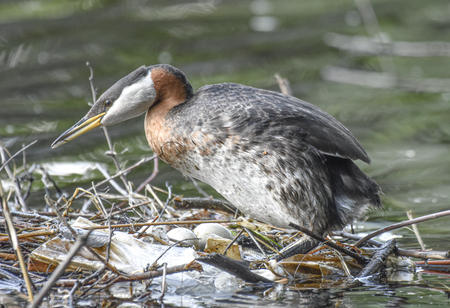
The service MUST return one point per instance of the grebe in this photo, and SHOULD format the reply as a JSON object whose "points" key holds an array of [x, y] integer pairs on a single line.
{"points": [[277, 158]]}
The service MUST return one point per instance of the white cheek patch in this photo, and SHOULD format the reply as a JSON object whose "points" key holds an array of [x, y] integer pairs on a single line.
{"points": [[134, 100]]}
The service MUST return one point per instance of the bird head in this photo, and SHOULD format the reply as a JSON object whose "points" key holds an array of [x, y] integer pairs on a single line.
{"points": [[129, 97]]}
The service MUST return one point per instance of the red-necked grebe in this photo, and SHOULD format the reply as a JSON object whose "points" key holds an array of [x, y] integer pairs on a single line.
{"points": [[275, 157]]}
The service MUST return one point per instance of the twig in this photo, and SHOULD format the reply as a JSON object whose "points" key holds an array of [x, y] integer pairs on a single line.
{"points": [[15, 154], [284, 85], [232, 242], [360, 259], [111, 181], [442, 255], [378, 260], [416, 231], [236, 268], [15, 242], [169, 196], [150, 189], [256, 242], [30, 234], [205, 203], [163, 284], [64, 221], [152, 176], [44, 178], [81, 240], [124, 171], [199, 189], [187, 222], [29, 216], [111, 152], [15, 182], [401, 225]]}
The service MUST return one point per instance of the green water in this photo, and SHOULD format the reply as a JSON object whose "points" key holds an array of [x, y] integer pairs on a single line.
{"points": [[44, 90]]}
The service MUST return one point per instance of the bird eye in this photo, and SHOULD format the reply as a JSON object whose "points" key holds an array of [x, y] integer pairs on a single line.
{"points": [[107, 103]]}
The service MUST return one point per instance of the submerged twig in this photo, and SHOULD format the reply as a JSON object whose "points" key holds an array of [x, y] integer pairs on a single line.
{"points": [[378, 260], [357, 257], [236, 268]]}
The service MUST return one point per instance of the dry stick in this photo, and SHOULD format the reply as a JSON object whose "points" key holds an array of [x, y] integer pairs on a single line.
{"points": [[119, 211], [81, 240], [100, 271], [256, 242], [442, 255], [27, 176], [416, 231], [15, 154], [124, 171], [199, 189], [187, 222], [152, 176], [169, 196], [46, 176], [111, 181], [402, 224], [232, 242], [15, 182], [147, 181], [29, 216], [163, 284], [204, 203], [30, 234], [360, 259], [150, 189], [64, 221], [15, 242], [283, 83], [105, 130], [236, 268]]}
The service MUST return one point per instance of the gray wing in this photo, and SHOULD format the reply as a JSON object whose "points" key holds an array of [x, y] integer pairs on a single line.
{"points": [[261, 115]]}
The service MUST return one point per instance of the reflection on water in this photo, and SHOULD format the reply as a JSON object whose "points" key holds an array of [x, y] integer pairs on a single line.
{"points": [[44, 87]]}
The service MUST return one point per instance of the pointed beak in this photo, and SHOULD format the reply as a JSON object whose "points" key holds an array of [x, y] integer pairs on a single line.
{"points": [[83, 126]]}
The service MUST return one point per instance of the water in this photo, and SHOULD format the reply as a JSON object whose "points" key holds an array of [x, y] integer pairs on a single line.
{"points": [[44, 87]]}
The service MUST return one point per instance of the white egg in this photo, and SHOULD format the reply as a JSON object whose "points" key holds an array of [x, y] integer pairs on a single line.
{"points": [[204, 230], [185, 235]]}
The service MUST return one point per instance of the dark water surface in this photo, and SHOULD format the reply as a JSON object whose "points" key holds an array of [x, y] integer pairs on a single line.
{"points": [[44, 89]]}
